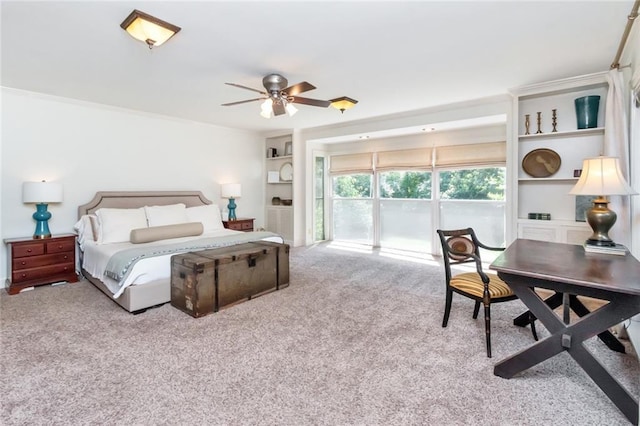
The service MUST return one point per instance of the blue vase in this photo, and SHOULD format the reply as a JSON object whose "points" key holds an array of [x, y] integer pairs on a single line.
{"points": [[587, 111]]}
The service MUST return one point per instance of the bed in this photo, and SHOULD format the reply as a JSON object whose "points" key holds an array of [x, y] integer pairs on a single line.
{"points": [[102, 233]]}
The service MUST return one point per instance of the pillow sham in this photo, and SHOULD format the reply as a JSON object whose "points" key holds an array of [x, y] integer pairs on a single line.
{"points": [[208, 215], [165, 232], [116, 224], [166, 215]]}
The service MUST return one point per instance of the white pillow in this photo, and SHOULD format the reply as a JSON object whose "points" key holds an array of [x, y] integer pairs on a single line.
{"points": [[84, 229], [208, 215], [172, 214], [116, 224]]}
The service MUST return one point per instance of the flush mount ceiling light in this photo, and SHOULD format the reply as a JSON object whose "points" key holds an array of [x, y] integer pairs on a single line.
{"points": [[149, 29], [342, 103]]}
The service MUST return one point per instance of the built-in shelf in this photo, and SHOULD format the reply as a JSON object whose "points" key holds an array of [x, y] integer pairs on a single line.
{"points": [[559, 222], [558, 179], [281, 183], [282, 157], [566, 134]]}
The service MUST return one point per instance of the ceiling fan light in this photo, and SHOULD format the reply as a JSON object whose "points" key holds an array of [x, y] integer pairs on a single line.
{"points": [[265, 113], [266, 108], [291, 109], [148, 29], [343, 103]]}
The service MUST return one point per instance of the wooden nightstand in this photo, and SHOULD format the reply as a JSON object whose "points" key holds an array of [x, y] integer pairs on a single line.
{"points": [[35, 262], [242, 224]]}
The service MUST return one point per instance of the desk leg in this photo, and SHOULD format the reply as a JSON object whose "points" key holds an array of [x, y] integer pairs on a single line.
{"points": [[524, 319], [606, 336], [570, 338], [576, 306]]}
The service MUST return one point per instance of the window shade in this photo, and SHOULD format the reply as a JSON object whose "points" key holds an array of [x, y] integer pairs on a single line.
{"points": [[351, 163], [462, 155], [404, 159]]}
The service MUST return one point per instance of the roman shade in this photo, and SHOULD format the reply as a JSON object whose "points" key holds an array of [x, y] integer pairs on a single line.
{"points": [[404, 159], [465, 155], [351, 163]]}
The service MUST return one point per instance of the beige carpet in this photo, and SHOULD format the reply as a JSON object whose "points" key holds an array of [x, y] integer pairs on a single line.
{"points": [[356, 339]]}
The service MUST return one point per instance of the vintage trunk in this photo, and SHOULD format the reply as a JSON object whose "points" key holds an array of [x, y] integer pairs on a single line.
{"points": [[205, 281]]}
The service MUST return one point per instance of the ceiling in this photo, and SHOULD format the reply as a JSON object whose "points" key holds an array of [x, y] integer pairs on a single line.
{"points": [[391, 56]]}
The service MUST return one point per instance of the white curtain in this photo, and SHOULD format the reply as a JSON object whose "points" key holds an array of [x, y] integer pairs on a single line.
{"points": [[616, 144], [635, 85]]}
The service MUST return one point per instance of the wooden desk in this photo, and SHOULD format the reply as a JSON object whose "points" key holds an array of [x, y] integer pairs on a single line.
{"points": [[566, 268]]}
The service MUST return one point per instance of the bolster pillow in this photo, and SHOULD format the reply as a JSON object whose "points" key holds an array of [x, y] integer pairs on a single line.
{"points": [[165, 232]]}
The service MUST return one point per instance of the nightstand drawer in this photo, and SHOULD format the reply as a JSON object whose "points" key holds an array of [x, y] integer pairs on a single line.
{"points": [[60, 246], [44, 260], [240, 224], [236, 226], [24, 250], [42, 272]]}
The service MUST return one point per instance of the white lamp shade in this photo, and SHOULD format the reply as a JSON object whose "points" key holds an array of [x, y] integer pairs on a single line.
{"points": [[291, 109], [602, 176], [41, 192], [231, 190]]}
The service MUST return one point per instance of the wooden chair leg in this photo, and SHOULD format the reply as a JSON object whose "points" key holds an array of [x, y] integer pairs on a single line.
{"points": [[476, 309], [447, 307], [487, 327]]}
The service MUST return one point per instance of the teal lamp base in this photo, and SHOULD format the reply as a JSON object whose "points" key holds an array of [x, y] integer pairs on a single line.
{"points": [[232, 209], [42, 217]]}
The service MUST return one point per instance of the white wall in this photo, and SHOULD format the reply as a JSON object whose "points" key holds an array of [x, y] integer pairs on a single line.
{"points": [[90, 147]]}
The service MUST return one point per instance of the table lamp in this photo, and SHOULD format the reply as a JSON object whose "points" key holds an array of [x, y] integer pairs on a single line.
{"points": [[601, 176], [41, 193], [231, 191]]}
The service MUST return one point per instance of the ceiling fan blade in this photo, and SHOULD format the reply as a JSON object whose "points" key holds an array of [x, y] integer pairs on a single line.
{"points": [[278, 108], [299, 88], [243, 102], [312, 102], [246, 88]]}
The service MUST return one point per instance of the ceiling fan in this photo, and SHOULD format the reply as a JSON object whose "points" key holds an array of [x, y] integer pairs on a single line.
{"points": [[278, 97]]}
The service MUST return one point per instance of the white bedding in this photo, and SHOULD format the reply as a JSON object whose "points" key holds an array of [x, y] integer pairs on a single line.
{"points": [[96, 256]]}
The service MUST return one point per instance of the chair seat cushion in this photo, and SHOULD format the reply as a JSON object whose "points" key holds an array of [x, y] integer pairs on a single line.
{"points": [[471, 283]]}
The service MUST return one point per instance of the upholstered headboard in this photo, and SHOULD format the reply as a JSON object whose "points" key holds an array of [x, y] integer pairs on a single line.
{"points": [[133, 199]]}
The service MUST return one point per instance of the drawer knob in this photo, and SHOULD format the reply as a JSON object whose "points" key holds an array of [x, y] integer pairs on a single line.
{"points": [[24, 275], [23, 263], [66, 257], [60, 246], [29, 250]]}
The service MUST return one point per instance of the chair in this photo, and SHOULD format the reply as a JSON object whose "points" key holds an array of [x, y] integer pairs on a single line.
{"points": [[461, 246]]}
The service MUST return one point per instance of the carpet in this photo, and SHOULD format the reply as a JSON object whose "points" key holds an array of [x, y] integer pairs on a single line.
{"points": [[356, 339]]}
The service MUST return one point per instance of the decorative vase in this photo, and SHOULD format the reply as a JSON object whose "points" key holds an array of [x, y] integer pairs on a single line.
{"points": [[587, 111]]}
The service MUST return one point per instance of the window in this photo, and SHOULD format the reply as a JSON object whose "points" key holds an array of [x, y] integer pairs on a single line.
{"points": [[318, 215], [353, 208], [474, 197], [396, 199], [405, 210]]}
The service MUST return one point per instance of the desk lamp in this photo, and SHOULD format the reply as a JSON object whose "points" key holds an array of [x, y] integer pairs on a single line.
{"points": [[41, 193], [231, 191], [601, 176]]}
